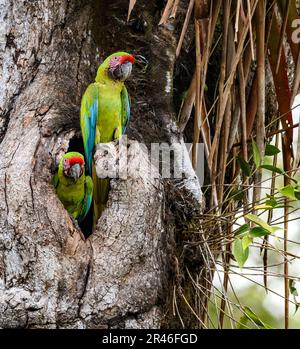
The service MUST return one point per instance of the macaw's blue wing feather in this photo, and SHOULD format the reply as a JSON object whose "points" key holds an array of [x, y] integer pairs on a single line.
{"points": [[125, 109], [88, 120], [87, 198]]}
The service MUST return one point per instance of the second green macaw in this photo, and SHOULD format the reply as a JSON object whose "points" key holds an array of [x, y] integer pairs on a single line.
{"points": [[73, 187], [104, 115]]}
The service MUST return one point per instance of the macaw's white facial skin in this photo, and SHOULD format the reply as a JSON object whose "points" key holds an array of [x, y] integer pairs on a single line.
{"points": [[120, 67]]}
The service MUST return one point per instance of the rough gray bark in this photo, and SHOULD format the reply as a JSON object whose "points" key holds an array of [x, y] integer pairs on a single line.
{"points": [[50, 276]]}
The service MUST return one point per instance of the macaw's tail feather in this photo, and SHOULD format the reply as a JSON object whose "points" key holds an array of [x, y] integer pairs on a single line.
{"points": [[101, 189]]}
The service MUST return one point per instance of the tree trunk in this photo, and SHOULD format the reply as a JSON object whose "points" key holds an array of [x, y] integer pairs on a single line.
{"points": [[51, 276]]}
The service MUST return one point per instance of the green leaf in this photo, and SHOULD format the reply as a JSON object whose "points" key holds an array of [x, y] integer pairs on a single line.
{"points": [[255, 219], [271, 150], [293, 289], [284, 206], [252, 316], [277, 170], [256, 154], [294, 293], [242, 325], [271, 201], [289, 192], [246, 169], [263, 207], [269, 207], [258, 232], [239, 253], [246, 242], [244, 229], [238, 195], [297, 194], [273, 169]]}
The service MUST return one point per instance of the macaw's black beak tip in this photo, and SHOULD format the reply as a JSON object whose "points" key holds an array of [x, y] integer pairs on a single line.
{"points": [[139, 59]]}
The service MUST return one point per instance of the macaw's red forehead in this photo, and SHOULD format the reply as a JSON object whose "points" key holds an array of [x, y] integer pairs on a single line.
{"points": [[117, 60], [75, 160], [128, 58]]}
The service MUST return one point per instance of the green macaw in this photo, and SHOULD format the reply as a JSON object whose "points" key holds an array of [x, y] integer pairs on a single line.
{"points": [[73, 187], [104, 115]]}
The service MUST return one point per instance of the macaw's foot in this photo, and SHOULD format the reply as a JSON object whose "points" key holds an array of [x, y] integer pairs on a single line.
{"points": [[116, 142], [75, 222]]}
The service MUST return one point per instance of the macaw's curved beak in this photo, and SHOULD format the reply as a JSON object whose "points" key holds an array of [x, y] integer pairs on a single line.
{"points": [[75, 171], [123, 71]]}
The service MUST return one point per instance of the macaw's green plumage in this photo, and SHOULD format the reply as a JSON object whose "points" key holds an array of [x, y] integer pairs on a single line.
{"points": [[104, 115], [74, 189]]}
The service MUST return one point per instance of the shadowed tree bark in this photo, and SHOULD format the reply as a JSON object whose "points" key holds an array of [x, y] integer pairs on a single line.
{"points": [[51, 276]]}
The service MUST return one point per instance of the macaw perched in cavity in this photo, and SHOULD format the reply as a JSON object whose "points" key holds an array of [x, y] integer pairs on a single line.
{"points": [[104, 115], [73, 187]]}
